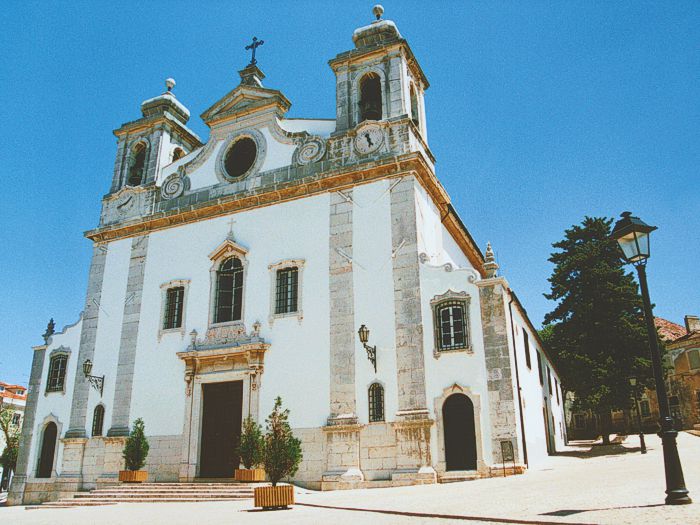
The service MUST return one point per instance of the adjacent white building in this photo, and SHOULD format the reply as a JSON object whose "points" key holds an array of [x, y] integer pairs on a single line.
{"points": [[227, 273]]}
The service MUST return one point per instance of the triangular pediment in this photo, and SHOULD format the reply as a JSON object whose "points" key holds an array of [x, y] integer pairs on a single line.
{"points": [[226, 249], [246, 99]]}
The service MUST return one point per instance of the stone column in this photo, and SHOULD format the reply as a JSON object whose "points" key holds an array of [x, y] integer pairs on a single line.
{"points": [[22, 470], [130, 331], [501, 407], [342, 432], [413, 422], [88, 336]]}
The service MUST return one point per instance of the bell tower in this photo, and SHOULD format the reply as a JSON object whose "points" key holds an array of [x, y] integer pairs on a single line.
{"points": [[380, 79]]}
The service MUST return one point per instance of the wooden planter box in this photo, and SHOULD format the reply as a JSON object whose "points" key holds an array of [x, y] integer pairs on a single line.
{"points": [[274, 497], [249, 474], [133, 476]]}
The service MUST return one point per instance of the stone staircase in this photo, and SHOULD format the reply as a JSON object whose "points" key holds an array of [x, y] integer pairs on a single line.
{"points": [[196, 492]]}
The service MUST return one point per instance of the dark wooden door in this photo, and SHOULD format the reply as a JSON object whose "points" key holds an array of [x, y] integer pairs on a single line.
{"points": [[48, 449], [221, 429], [460, 437]]}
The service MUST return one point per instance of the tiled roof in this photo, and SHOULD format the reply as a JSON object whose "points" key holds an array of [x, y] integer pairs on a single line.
{"points": [[667, 330], [11, 395]]}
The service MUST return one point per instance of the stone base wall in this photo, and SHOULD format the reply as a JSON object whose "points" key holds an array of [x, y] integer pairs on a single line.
{"points": [[164, 456]]}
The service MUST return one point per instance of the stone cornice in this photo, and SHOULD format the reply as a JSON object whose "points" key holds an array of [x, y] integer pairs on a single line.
{"points": [[334, 180], [146, 123]]}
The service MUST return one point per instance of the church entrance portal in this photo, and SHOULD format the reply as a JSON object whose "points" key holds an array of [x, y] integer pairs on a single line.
{"points": [[221, 428], [460, 437]]}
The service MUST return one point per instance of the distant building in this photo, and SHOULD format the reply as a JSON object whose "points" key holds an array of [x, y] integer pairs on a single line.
{"points": [[13, 397]]}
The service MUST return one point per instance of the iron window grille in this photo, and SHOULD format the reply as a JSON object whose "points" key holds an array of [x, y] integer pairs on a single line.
{"points": [[286, 298], [451, 323], [98, 420], [229, 291], [174, 300], [57, 373], [376, 403]]}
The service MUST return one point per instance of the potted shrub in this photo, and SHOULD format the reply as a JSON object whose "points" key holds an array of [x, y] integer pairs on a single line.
{"points": [[250, 452], [281, 457], [134, 454]]}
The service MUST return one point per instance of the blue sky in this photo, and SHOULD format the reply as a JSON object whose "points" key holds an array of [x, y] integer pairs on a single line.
{"points": [[539, 113]]}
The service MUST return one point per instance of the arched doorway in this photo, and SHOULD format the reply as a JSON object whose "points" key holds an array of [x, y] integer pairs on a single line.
{"points": [[460, 436], [48, 449]]}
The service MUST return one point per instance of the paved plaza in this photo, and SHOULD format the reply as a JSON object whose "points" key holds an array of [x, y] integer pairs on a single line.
{"points": [[584, 484]]}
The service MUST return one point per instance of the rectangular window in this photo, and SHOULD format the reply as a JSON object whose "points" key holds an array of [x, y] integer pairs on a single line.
{"points": [[556, 389], [451, 326], [526, 342], [549, 380], [694, 359], [644, 406], [174, 300], [15, 418], [287, 291], [539, 367], [57, 373]]}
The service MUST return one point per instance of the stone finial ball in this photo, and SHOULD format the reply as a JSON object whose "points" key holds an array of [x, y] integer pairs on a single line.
{"points": [[378, 11], [169, 83]]}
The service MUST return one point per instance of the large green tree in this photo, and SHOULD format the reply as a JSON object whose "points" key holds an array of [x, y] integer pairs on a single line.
{"points": [[596, 332]]}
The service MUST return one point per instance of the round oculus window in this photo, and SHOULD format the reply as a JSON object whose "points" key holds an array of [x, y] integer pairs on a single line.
{"points": [[240, 157]]}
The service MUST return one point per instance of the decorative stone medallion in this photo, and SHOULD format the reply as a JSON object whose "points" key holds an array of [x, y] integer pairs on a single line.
{"points": [[311, 149], [369, 138], [175, 185]]}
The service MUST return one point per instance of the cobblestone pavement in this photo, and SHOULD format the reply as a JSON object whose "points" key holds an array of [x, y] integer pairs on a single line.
{"points": [[581, 485]]}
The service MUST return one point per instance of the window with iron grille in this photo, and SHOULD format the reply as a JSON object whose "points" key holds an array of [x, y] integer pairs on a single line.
{"points": [[98, 418], [229, 291], [57, 373], [451, 324], [376, 402], [526, 342], [174, 299], [287, 290]]}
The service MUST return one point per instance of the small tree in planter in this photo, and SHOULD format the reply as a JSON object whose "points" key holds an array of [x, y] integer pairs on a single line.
{"points": [[250, 450], [135, 454], [281, 457]]}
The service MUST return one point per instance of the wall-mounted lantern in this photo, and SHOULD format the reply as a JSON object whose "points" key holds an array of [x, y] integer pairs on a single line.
{"points": [[96, 381], [363, 332]]}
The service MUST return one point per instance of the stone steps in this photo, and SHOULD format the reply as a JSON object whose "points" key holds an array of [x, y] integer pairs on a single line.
{"points": [[196, 492]]}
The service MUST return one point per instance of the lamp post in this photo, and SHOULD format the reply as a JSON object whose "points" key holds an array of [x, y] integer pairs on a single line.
{"points": [[97, 382], [632, 234], [635, 391], [363, 333]]}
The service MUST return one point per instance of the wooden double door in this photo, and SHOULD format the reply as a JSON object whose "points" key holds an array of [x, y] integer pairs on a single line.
{"points": [[221, 428]]}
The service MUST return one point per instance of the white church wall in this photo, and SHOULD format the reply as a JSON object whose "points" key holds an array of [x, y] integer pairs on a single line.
{"points": [[373, 285], [319, 127]]}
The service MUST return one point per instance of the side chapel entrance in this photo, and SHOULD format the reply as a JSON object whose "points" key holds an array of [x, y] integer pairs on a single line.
{"points": [[48, 449], [221, 428], [460, 436]]}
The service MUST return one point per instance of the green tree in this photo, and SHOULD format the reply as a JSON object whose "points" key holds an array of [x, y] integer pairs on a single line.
{"points": [[250, 448], [281, 450], [596, 332], [136, 447]]}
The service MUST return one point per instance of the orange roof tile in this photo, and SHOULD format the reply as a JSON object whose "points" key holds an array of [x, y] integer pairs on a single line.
{"points": [[667, 330]]}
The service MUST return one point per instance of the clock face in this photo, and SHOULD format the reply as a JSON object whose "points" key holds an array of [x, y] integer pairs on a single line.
{"points": [[369, 139], [125, 203]]}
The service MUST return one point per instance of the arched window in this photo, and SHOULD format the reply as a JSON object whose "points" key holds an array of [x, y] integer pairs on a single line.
{"points": [[98, 418], [415, 114], [178, 153], [376, 402], [57, 373], [137, 164], [370, 97], [229, 291]]}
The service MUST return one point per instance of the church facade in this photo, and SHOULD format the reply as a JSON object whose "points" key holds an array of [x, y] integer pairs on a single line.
{"points": [[319, 260]]}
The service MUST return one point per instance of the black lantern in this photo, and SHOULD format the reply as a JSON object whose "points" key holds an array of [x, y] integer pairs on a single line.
{"points": [[97, 382], [363, 332], [632, 234]]}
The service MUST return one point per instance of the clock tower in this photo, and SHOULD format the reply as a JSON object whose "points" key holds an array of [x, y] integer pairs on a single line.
{"points": [[379, 80]]}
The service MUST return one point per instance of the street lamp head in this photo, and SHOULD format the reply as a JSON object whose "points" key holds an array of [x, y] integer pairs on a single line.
{"points": [[87, 367], [363, 332], [632, 234], [633, 381]]}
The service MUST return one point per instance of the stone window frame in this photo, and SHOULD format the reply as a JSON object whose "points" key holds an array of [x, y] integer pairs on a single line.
{"points": [[360, 73], [381, 385], [450, 296], [299, 264], [61, 351], [174, 283], [228, 142], [229, 248]]}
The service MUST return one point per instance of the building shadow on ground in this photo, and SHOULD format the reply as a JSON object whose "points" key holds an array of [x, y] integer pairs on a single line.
{"points": [[599, 450], [569, 512]]}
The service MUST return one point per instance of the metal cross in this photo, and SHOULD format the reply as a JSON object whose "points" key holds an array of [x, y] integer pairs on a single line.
{"points": [[256, 43]]}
